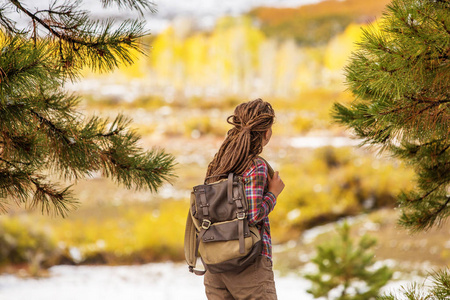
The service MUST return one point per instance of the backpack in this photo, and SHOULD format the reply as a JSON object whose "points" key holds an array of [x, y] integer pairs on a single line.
{"points": [[217, 228]]}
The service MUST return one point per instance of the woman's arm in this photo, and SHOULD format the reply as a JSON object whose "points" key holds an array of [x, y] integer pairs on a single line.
{"points": [[260, 203]]}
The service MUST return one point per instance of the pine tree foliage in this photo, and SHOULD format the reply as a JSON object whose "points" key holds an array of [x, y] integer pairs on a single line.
{"points": [[346, 269], [439, 289], [42, 135], [400, 77]]}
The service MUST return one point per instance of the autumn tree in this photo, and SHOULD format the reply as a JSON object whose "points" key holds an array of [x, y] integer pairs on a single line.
{"points": [[43, 138]]}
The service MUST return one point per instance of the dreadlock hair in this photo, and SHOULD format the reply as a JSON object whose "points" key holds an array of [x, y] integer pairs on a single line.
{"points": [[244, 142]]}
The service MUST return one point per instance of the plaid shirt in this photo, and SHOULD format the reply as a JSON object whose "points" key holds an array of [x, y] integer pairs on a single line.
{"points": [[260, 202]]}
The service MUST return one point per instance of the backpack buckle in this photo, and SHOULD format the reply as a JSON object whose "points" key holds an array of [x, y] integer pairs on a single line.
{"points": [[206, 224], [240, 215]]}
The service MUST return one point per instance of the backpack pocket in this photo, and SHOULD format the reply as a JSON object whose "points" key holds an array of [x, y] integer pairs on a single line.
{"points": [[220, 242]]}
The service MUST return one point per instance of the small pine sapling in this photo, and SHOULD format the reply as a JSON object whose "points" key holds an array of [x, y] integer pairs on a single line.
{"points": [[345, 269]]}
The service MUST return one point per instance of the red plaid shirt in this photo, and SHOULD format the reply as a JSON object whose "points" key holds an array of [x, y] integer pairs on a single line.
{"points": [[260, 202]]}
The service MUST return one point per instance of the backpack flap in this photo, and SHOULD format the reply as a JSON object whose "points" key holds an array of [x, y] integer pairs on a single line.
{"points": [[209, 199], [225, 231]]}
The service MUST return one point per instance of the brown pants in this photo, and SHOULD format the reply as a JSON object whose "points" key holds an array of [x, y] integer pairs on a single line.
{"points": [[254, 282]]}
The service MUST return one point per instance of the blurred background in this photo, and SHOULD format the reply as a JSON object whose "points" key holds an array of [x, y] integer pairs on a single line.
{"points": [[204, 58]]}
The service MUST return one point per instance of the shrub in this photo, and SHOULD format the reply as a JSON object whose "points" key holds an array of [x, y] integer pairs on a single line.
{"points": [[327, 183], [23, 242]]}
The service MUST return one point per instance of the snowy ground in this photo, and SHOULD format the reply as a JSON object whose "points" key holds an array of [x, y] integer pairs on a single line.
{"points": [[165, 281], [161, 281]]}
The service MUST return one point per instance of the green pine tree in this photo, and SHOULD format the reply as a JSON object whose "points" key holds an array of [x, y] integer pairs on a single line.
{"points": [[401, 80], [41, 132], [440, 289], [345, 269], [400, 77]]}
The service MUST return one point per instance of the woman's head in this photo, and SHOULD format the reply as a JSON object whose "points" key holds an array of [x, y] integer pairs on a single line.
{"points": [[252, 127]]}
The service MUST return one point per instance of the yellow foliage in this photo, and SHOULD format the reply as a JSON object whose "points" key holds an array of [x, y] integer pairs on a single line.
{"points": [[196, 51], [341, 46], [162, 56], [366, 8], [237, 59], [137, 69], [328, 183], [24, 241], [152, 233], [200, 59]]}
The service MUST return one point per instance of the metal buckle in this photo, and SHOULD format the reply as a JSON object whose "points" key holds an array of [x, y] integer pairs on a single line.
{"points": [[206, 223], [240, 215]]}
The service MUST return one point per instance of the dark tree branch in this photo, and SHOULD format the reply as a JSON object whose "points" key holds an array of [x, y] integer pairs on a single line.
{"points": [[436, 213], [8, 163], [12, 163], [49, 27], [52, 12], [35, 18], [8, 24], [52, 126]]}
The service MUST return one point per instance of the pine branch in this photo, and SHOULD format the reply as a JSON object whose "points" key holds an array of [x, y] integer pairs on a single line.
{"points": [[25, 66], [80, 38], [47, 25], [51, 200], [7, 23], [146, 170], [36, 19], [13, 162], [40, 129], [56, 130], [16, 184], [400, 79], [439, 290], [416, 220], [138, 5]]}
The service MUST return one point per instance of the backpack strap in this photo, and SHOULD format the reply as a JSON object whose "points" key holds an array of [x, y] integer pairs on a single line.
{"points": [[241, 233], [204, 205], [191, 242], [230, 188], [218, 176], [240, 214], [269, 167], [197, 244]]}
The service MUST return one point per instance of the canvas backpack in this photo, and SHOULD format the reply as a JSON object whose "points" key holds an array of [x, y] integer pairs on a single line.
{"points": [[217, 228]]}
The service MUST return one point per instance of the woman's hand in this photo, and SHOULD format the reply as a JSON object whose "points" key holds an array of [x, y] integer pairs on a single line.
{"points": [[276, 185]]}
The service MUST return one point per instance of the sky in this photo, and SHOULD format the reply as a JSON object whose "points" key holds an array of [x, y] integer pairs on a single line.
{"points": [[204, 12]]}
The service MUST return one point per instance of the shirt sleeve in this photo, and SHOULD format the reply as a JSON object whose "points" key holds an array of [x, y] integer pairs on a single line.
{"points": [[260, 203]]}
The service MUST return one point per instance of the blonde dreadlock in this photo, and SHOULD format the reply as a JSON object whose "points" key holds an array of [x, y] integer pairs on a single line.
{"points": [[244, 142]]}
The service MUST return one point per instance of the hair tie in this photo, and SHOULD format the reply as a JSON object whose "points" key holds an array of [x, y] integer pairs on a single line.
{"points": [[246, 129]]}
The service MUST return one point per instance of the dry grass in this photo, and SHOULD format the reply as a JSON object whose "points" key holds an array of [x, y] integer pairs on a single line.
{"points": [[407, 253]]}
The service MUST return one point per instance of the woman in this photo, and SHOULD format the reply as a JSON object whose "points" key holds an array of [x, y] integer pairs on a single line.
{"points": [[239, 154]]}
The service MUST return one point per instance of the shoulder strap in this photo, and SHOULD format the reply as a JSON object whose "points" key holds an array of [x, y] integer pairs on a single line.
{"points": [[191, 241], [218, 176], [269, 167]]}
